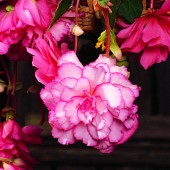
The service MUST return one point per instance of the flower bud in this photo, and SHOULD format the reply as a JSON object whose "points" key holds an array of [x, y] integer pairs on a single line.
{"points": [[77, 31]]}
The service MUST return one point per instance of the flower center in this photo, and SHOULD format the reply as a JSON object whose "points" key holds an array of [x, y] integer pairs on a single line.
{"points": [[86, 109]]}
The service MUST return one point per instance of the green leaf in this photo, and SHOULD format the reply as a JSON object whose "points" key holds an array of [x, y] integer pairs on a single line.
{"points": [[18, 86], [130, 9], [114, 48], [62, 8], [113, 14], [103, 3]]}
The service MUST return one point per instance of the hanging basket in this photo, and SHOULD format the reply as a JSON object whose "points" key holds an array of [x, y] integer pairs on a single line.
{"points": [[88, 21]]}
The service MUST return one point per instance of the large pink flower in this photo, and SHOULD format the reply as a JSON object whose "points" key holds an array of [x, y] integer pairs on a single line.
{"points": [[93, 103], [150, 35], [14, 140]]}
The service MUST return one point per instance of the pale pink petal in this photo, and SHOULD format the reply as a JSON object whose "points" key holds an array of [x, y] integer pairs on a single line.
{"points": [[70, 56], [79, 89], [109, 93], [95, 76], [71, 110], [64, 137], [81, 133], [69, 70], [116, 131]]}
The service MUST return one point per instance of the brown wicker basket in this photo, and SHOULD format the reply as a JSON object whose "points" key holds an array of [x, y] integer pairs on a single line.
{"points": [[87, 21]]}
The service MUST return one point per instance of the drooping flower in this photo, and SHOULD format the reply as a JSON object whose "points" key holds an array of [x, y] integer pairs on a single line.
{"points": [[14, 140], [92, 104], [148, 35], [45, 58], [10, 28], [34, 13]]}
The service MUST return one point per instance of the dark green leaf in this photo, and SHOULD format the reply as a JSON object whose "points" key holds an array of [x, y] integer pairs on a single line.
{"points": [[62, 8], [113, 14], [130, 9]]}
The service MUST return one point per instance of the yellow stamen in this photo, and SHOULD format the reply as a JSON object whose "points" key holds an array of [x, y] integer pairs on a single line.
{"points": [[100, 44]]}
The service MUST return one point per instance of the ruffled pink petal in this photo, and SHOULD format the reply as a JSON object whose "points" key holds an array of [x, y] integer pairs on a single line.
{"points": [[127, 95], [61, 29], [116, 131], [131, 126], [71, 110], [58, 117], [95, 75], [105, 146], [81, 133], [69, 70], [70, 57], [79, 89], [110, 93], [64, 137]]}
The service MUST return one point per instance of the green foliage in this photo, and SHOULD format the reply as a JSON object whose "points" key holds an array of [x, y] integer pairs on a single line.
{"points": [[113, 14], [103, 3], [62, 8], [130, 9]]}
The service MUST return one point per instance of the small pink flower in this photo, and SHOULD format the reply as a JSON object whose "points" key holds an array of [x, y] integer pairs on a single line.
{"points": [[14, 140], [62, 29], [33, 12], [149, 35], [10, 28], [93, 103], [45, 58]]}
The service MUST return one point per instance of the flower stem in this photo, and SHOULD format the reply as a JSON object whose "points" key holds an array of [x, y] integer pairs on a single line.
{"points": [[76, 22], [151, 5], [107, 25], [14, 87]]}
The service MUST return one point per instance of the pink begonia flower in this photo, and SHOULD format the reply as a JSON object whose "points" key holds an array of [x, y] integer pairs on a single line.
{"points": [[62, 29], [34, 12], [10, 29], [149, 35], [92, 103], [45, 58], [14, 140], [32, 34]]}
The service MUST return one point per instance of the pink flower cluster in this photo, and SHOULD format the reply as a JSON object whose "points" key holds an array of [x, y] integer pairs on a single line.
{"points": [[93, 103], [24, 21], [14, 140], [148, 35]]}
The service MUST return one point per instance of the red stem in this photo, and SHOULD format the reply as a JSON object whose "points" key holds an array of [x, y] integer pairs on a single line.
{"points": [[14, 87], [151, 5], [76, 22], [107, 25]]}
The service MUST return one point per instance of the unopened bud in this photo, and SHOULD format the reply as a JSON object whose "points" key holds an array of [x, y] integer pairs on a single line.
{"points": [[77, 31]]}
